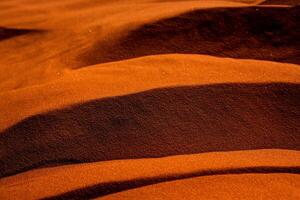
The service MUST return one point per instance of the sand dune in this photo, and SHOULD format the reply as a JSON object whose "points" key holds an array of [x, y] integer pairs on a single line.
{"points": [[137, 75], [257, 33], [284, 186], [92, 180], [157, 123], [70, 28], [149, 99]]}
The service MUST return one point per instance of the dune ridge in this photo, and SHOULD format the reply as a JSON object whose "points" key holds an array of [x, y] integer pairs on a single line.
{"points": [[119, 186], [94, 179], [149, 99], [158, 123], [264, 33], [137, 75], [283, 186], [72, 27]]}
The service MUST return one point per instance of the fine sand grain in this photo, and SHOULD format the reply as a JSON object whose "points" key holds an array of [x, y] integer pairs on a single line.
{"points": [[149, 99]]}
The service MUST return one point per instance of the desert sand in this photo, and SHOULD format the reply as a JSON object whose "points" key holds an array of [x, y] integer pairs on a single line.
{"points": [[149, 99], [102, 178]]}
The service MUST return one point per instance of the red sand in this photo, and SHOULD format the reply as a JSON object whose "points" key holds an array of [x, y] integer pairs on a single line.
{"points": [[239, 119], [282, 186], [264, 33], [102, 178]]}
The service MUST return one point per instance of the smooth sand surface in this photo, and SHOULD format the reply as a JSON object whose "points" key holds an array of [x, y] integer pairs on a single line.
{"points": [[278, 186], [66, 29], [102, 178], [132, 76], [149, 99]]}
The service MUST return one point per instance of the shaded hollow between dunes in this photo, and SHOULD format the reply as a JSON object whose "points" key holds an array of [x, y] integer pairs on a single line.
{"points": [[264, 33], [156, 123], [281, 2]]}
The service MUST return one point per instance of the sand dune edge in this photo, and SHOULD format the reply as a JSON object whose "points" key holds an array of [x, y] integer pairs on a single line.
{"points": [[58, 180]]}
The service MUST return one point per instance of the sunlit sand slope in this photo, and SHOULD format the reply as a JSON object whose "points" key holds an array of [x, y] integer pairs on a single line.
{"points": [[92, 180], [66, 29], [149, 99], [246, 186], [132, 76], [156, 123]]}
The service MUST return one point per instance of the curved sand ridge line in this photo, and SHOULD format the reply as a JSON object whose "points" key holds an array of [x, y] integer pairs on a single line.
{"points": [[156, 123], [245, 186], [71, 28], [92, 180], [137, 75], [153, 106], [264, 33]]}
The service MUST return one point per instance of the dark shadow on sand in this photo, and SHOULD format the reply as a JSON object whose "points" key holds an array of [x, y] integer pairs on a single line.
{"points": [[103, 189], [264, 33], [281, 2], [7, 33], [156, 123]]}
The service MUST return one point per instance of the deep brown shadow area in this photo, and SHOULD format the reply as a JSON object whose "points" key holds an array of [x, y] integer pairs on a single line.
{"points": [[100, 190], [263, 33], [281, 2], [155, 123], [7, 33]]}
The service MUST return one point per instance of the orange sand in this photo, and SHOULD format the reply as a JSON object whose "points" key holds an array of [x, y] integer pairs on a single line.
{"points": [[281, 186], [138, 75], [58, 180], [63, 103]]}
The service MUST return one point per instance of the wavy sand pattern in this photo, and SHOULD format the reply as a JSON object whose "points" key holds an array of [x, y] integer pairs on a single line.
{"points": [[149, 99]]}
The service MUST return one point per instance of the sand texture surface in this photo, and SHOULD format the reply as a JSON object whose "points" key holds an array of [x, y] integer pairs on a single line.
{"points": [[150, 99]]}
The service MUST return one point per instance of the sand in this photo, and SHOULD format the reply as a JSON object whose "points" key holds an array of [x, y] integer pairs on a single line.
{"points": [[137, 75], [149, 99], [220, 187], [103, 178]]}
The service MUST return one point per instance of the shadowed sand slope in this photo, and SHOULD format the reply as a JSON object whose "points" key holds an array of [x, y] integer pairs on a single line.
{"points": [[137, 75], [72, 28], [281, 2], [6, 33], [90, 180], [157, 123], [208, 106], [265, 33]]}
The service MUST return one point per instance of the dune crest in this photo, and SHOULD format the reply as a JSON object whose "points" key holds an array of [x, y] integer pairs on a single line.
{"points": [[156, 123], [255, 33], [149, 99], [137, 75], [92, 180], [229, 186]]}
